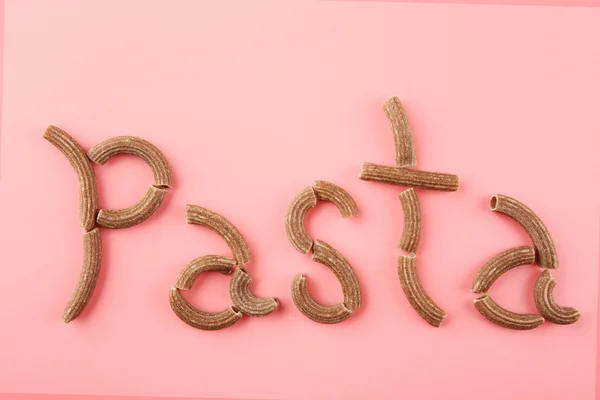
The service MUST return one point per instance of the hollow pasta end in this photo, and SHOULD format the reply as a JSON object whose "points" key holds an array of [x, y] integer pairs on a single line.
{"points": [[494, 202]]}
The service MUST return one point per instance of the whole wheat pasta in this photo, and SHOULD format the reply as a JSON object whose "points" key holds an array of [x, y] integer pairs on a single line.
{"points": [[88, 194], [141, 148], [294, 220], [544, 301], [416, 295], [327, 191], [412, 221], [189, 314], [208, 321], [92, 260], [500, 264], [408, 177], [190, 272], [331, 258], [544, 246], [244, 300], [138, 213], [313, 310], [507, 319], [405, 152], [210, 219]]}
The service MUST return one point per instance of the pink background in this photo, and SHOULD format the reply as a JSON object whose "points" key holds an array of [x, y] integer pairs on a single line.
{"points": [[569, 3], [250, 109]]}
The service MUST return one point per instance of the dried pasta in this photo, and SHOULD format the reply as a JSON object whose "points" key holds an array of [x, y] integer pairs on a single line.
{"points": [[136, 214], [188, 275], [141, 148], [244, 300], [405, 152], [327, 191], [88, 194], [294, 220], [544, 246], [544, 301], [208, 321], [416, 295], [313, 310], [412, 221], [500, 264], [322, 253], [92, 260], [332, 259], [210, 219], [408, 177], [507, 319]]}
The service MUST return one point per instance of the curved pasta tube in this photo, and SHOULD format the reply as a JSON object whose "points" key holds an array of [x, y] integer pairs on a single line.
{"points": [[88, 194], [136, 214], [92, 260], [416, 295], [313, 310], [327, 191], [332, 259], [412, 221], [208, 321], [408, 177], [322, 253], [190, 272], [507, 319], [141, 148], [544, 301], [544, 246], [244, 300], [500, 264], [405, 152], [210, 219], [294, 220]]}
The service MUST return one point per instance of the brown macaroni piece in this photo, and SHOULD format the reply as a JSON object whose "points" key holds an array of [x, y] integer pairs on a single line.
{"points": [[405, 152], [92, 260], [88, 194], [322, 253], [408, 177], [210, 219], [244, 300], [416, 295], [327, 191], [500, 264], [209, 321], [412, 221], [188, 275], [544, 301], [294, 220], [332, 259], [239, 287], [544, 246], [313, 310], [128, 217], [155, 195], [141, 148], [507, 319]]}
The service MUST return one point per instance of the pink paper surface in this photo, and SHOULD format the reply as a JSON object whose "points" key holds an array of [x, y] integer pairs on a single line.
{"points": [[249, 109], [562, 3], [1, 59], [14, 396]]}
